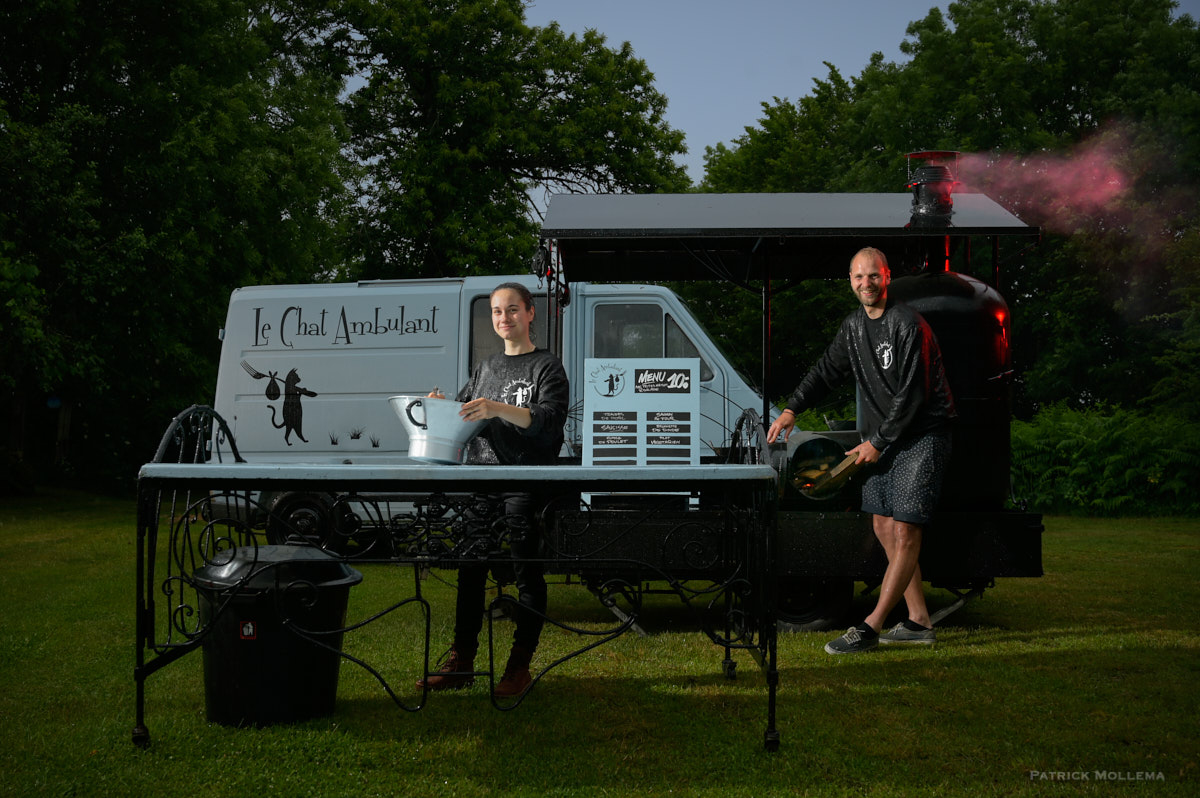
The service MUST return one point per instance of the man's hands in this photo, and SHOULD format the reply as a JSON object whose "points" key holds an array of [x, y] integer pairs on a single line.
{"points": [[864, 453], [867, 453], [782, 423]]}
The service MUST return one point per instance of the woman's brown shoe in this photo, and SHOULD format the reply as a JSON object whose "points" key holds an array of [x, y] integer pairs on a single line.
{"points": [[454, 673], [516, 678]]}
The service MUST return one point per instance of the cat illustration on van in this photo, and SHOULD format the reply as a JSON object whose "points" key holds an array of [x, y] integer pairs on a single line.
{"points": [[293, 412]]}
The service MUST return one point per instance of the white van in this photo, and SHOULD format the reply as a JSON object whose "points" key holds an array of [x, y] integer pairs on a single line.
{"points": [[306, 370]]}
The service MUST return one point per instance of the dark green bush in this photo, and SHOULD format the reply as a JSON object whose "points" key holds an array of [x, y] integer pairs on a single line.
{"points": [[1106, 461]]}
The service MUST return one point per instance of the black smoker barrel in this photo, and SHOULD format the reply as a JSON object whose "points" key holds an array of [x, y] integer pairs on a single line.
{"points": [[259, 666], [971, 322]]}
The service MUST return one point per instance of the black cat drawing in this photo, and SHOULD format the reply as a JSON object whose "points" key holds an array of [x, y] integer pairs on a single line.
{"points": [[293, 413]]}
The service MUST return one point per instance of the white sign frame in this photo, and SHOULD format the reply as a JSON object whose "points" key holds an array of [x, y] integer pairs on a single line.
{"points": [[641, 411]]}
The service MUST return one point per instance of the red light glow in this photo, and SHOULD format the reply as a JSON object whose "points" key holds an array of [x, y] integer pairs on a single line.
{"points": [[1002, 345]]}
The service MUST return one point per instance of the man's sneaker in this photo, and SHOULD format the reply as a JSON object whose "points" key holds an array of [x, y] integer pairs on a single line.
{"points": [[909, 634], [856, 640]]}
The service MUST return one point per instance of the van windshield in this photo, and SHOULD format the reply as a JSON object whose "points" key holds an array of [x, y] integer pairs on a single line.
{"points": [[642, 329]]}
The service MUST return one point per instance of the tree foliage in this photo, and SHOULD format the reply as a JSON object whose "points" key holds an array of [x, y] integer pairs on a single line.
{"points": [[1107, 461], [1081, 116], [154, 157], [158, 155], [467, 114], [796, 148]]}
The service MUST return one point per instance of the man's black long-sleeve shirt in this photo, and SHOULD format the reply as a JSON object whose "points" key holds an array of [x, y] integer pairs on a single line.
{"points": [[897, 364]]}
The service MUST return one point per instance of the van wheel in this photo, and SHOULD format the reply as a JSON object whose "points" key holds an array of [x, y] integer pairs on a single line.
{"points": [[301, 517], [813, 605]]}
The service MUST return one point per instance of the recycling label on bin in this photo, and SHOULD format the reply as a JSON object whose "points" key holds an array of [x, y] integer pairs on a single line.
{"points": [[641, 411]]}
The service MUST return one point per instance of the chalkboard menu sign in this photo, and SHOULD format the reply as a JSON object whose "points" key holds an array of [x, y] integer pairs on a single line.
{"points": [[641, 412]]}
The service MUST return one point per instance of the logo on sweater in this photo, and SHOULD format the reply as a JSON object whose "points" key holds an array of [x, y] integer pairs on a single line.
{"points": [[518, 393], [884, 353]]}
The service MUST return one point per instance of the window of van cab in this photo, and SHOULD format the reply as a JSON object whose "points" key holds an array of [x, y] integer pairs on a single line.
{"points": [[641, 330], [485, 342]]}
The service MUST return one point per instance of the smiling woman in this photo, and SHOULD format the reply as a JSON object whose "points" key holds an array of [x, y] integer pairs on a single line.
{"points": [[524, 392], [512, 317]]}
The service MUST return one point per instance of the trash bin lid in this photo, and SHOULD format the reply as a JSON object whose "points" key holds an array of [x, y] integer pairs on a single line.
{"points": [[264, 567]]}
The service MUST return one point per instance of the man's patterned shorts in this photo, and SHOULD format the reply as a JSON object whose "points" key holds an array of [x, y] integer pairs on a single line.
{"points": [[907, 480]]}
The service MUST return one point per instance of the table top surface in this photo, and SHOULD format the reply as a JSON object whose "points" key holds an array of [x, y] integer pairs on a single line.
{"points": [[450, 475]]}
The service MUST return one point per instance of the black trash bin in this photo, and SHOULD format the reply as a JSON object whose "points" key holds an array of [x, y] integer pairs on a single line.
{"points": [[259, 667]]}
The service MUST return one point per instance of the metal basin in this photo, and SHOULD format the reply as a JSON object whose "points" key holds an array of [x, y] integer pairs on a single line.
{"points": [[436, 433]]}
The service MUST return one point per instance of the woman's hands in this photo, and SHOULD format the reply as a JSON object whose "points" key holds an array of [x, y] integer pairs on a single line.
{"points": [[480, 409]]}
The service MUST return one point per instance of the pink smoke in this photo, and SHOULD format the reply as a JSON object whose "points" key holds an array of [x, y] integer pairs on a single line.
{"points": [[1058, 192]]}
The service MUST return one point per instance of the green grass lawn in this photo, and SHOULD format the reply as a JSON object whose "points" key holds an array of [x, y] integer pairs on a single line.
{"points": [[1090, 670]]}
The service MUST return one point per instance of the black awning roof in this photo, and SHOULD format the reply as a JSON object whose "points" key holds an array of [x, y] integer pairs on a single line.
{"points": [[746, 236]]}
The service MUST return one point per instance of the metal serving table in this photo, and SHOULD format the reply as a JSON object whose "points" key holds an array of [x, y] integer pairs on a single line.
{"points": [[705, 532]]}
